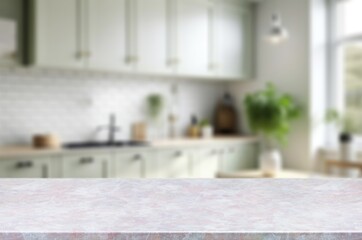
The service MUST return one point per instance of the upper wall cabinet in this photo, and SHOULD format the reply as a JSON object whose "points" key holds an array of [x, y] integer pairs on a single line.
{"points": [[231, 51], [192, 29], [151, 36], [57, 34], [107, 34], [198, 38]]}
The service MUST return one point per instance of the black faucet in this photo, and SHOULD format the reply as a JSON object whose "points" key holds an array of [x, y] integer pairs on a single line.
{"points": [[112, 128]]}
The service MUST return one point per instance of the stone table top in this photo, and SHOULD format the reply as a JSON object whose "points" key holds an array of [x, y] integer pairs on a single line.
{"points": [[181, 209]]}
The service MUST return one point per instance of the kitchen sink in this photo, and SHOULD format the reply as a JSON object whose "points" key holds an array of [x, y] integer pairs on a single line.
{"points": [[80, 145]]}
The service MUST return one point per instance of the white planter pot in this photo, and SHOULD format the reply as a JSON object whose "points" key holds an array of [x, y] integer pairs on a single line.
{"points": [[347, 152], [207, 132], [271, 162]]}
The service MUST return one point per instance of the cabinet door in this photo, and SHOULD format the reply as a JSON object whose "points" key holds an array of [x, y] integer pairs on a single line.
{"points": [[129, 165], [26, 168], [239, 157], [232, 40], [152, 48], [206, 163], [231, 159], [57, 33], [87, 166], [109, 34], [192, 37], [172, 164], [249, 154]]}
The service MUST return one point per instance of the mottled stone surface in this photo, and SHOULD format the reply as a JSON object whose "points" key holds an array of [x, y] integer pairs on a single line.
{"points": [[181, 209]]}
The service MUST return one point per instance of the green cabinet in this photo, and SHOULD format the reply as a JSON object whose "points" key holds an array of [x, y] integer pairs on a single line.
{"points": [[177, 162], [169, 163], [12, 31], [238, 157], [28, 167], [57, 37], [87, 166], [205, 163], [198, 38], [130, 165], [231, 39]]}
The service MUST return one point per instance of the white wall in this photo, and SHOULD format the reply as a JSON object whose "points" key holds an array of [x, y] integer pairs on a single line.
{"points": [[289, 67], [72, 105]]}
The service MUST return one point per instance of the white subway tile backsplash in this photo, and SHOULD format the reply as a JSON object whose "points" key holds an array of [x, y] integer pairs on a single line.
{"points": [[73, 104]]}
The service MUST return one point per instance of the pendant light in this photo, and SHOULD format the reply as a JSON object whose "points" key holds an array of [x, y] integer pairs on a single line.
{"points": [[278, 33]]}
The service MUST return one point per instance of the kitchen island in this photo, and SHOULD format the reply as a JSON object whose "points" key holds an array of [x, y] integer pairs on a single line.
{"points": [[180, 209]]}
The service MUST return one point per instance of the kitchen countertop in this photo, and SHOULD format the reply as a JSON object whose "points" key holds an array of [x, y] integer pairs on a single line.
{"points": [[19, 151], [181, 209]]}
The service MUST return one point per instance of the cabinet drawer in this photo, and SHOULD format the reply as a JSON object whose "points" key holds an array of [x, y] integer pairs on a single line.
{"points": [[205, 164], [26, 168], [86, 166], [173, 164], [130, 165]]}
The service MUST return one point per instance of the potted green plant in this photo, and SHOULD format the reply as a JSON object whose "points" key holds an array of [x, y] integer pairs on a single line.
{"points": [[155, 107], [270, 115], [346, 125]]}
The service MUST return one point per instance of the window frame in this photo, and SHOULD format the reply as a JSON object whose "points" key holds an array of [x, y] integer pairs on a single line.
{"points": [[335, 88]]}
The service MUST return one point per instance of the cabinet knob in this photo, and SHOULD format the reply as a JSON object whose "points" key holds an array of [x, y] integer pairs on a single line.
{"points": [[173, 62], [23, 165], [135, 59], [128, 60], [178, 154], [137, 157], [12, 55], [213, 66], [87, 54], [213, 152], [87, 160], [232, 150], [79, 55]]}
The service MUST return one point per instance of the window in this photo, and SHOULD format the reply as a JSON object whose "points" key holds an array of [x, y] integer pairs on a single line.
{"points": [[347, 70]]}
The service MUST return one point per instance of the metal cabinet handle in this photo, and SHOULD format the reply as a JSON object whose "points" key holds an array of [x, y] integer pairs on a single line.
{"points": [[128, 59], [213, 152], [137, 157], [105, 169], [87, 54], [87, 160], [79, 55], [24, 165], [173, 62], [178, 154], [45, 171], [213, 66]]}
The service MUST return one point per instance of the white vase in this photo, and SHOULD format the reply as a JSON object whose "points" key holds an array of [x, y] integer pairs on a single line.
{"points": [[207, 132], [270, 162]]}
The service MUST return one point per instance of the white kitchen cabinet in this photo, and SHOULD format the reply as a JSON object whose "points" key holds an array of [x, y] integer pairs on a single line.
{"points": [[173, 163], [231, 40], [205, 164], [29, 168], [57, 36], [87, 166], [130, 165], [168, 164], [8, 43], [108, 35], [249, 154], [192, 40], [239, 157], [152, 36]]}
